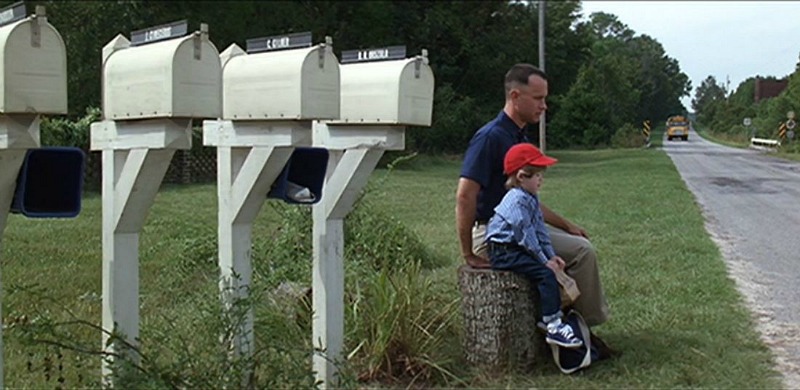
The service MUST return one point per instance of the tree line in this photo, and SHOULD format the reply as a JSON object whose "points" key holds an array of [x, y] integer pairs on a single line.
{"points": [[722, 112], [604, 78]]}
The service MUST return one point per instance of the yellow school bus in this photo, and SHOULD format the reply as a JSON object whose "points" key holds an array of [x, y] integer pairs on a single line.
{"points": [[677, 127]]}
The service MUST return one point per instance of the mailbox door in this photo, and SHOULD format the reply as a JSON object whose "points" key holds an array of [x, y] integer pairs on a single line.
{"points": [[262, 86], [370, 92], [299, 84], [321, 85], [196, 82], [163, 79], [416, 95], [138, 82], [34, 78]]}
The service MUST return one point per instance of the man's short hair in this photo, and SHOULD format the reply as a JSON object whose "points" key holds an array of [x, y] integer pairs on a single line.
{"points": [[519, 75]]}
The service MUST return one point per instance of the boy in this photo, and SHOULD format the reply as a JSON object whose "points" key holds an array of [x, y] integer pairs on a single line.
{"points": [[519, 241]]}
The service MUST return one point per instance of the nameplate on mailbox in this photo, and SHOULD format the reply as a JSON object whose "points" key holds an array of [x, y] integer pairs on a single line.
{"points": [[12, 13], [159, 33], [377, 54], [279, 42]]}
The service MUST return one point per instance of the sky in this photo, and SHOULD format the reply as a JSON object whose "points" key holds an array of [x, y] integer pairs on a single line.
{"points": [[730, 40]]}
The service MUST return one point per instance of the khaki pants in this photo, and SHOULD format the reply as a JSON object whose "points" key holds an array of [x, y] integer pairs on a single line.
{"points": [[581, 264]]}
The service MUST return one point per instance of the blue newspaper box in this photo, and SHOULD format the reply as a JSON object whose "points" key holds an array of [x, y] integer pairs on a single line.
{"points": [[50, 183], [300, 181]]}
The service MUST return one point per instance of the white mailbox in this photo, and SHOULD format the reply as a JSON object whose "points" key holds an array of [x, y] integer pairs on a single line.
{"points": [[162, 73], [33, 64], [269, 84], [390, 92]]}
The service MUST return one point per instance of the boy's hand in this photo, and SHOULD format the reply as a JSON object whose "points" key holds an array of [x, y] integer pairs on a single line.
{"points": [[476, 261]]}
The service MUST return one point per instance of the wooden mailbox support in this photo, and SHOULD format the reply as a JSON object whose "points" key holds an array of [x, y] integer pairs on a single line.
{"points": [[382, 93], [135, 157], [17, 135], [270, 98], [33, 73], [355, 151], [250, 156]]}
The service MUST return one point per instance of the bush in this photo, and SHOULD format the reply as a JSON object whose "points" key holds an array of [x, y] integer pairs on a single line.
{"points": [[400, 327], [627, 136], [64, 132], [374, 241], [399, 322]]}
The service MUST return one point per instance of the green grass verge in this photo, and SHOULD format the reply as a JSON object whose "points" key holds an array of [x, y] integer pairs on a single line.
{"points": [[675, 313], [790, 150]]}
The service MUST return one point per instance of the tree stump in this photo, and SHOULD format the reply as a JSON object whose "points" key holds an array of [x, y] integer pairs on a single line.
{"points": [[500, 311]]}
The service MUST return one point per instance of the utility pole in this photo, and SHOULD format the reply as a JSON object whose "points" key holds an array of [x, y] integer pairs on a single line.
{"points": [[542, 118]]}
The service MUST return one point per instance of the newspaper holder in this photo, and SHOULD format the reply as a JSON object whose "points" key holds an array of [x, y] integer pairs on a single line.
{"points": [[50, 183], [302, 178]]}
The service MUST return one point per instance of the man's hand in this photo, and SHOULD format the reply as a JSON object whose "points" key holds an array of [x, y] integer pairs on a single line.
{"points": [[576, 230], [562, 223], [476, 261], [556, 263]]}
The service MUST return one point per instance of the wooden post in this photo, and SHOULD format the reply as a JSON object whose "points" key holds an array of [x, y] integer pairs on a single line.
{"points": [[500, 311], [378, 100], [135, 156], [18, 133], [355, 151], [10, 162], [250, 156]]}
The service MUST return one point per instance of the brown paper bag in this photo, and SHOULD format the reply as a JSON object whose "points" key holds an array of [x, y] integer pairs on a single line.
{"points": [[568, 287]]}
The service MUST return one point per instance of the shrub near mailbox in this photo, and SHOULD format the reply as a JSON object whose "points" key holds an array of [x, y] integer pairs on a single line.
{"points": [[280, 79], [163, 73], [389, 89]]}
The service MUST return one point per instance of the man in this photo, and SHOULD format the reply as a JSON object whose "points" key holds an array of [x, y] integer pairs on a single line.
{"points": [[481, 187]]}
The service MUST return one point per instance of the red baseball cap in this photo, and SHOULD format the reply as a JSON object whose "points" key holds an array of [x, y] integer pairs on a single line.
{"points": [[524, 154]]}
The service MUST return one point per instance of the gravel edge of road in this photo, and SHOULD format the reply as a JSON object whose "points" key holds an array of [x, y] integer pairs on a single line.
{"points": [[779, 336]]}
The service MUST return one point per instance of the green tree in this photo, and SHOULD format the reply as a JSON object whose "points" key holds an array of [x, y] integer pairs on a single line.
{"points": [[660, 80], [626, 79], [707, 99], [471, 45]]}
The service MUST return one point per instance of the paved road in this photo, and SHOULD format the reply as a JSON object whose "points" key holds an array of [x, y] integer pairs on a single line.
{"points": [[751, 204]]}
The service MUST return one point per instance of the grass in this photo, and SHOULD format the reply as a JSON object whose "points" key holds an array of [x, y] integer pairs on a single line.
{"points": [[790, 150], [675, 313]]}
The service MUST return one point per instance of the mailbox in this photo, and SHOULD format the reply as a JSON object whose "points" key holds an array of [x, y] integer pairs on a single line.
{"points": [[301, 179], [49, 183], [162, 72], [386, 91], [33, 64], [274, 81]]}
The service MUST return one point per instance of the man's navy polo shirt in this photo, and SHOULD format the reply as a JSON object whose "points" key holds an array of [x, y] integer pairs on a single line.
{"points": [[483, 161]]}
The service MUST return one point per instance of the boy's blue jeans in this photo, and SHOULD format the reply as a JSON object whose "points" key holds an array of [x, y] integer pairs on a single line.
{"points": [[513, 258]]}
